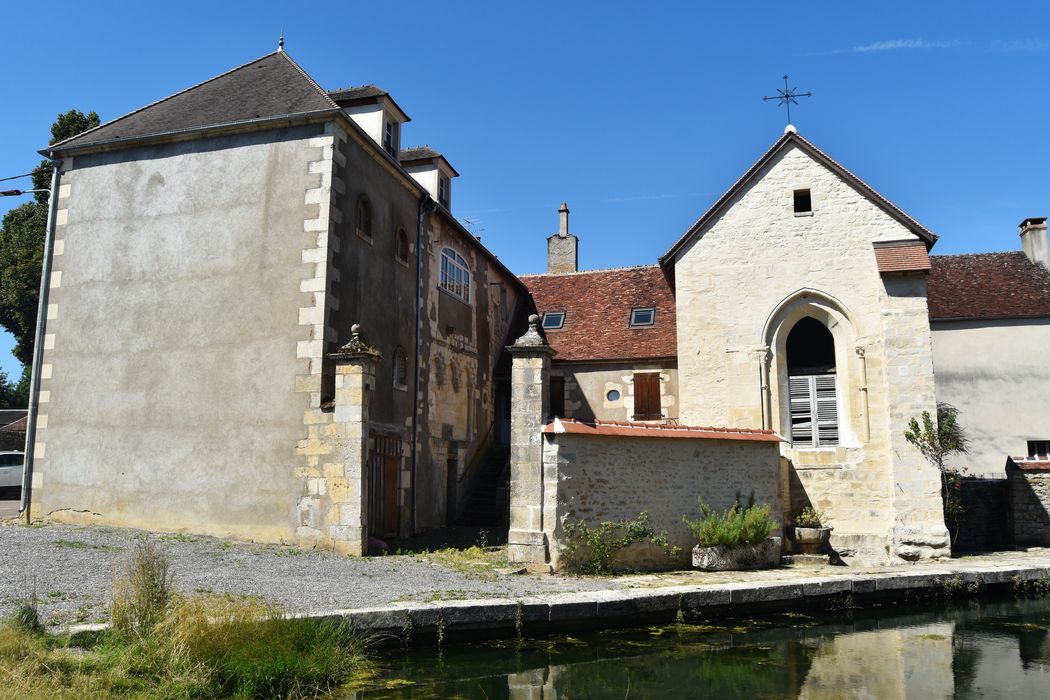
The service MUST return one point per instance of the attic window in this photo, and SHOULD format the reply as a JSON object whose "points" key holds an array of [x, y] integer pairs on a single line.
{"points": [[443, 191], [643, 317], [803, 202], [553, 320], [390, 137]]}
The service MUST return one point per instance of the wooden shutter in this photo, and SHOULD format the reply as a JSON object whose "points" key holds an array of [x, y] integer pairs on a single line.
{"points": [[647, 396], [814, 410]]}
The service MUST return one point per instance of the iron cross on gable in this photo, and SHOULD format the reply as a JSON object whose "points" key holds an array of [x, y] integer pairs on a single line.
{"points": [[787, 97]]}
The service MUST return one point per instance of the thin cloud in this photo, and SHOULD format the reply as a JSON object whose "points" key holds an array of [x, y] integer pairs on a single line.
{"points": [[1019, 45], [898, 44]]}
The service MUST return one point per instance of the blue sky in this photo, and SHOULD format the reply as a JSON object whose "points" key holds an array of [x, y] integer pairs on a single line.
{"points": [[638, 114]]}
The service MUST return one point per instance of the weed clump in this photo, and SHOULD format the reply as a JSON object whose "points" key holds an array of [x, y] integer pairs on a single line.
{"points": [[737, 526], [592, 550], [142, 592]]}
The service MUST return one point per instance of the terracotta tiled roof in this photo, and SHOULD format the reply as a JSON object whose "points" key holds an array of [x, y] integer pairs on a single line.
{"points": [[987, 285], [19, 426], [902, 258], [623, 429], [597, 306], [1028, 465]]}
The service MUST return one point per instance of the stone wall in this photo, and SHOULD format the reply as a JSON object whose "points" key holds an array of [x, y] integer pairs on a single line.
{"points": [[587, 386], [744, 281], [1029, 505], [598, 478]]}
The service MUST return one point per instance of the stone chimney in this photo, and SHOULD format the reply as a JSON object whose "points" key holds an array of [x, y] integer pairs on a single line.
{"points": [[1034, 241], [563, 247]]}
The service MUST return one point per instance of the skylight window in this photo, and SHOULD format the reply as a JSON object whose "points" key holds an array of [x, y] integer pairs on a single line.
{"points": [[553, 320], [643, 317], [803, 202]]}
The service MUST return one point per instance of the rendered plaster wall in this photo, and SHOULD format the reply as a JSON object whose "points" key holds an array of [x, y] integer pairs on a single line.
{"points": [[997, 374], [743, 282], [174, 340], [600, 478], [587, 388]]}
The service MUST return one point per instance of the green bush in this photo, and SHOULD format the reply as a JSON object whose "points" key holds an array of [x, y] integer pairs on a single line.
{"points": [[808, 517], [592, 550], [737, 526]]}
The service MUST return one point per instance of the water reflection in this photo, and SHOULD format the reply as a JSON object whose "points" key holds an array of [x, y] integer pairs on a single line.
{"points": [[992, 649]]}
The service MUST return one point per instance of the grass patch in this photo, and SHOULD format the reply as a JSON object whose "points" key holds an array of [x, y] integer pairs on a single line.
{"points": [[479, 562], [77, 544], [163, 645]]}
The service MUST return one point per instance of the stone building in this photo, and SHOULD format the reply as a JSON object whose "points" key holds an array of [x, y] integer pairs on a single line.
{"points": [[805, 303], [212, 252], [265, 322]]}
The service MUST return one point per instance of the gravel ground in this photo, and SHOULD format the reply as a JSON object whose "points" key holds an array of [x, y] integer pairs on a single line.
{"points": [[72, 568]]}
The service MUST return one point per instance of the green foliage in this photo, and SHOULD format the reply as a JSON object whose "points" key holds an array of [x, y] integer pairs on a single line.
{"points": [[14, 394], [808, 517], [22, 248], [26, 618], [593, 550], [737, 526], [937, 442], [141, 592]]}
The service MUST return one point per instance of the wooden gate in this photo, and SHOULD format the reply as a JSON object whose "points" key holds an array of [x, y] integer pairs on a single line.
{"points": [[384, 458]]}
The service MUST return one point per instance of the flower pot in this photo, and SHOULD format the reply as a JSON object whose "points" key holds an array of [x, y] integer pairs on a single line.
{"points": [[748, 556], [811, 540]]}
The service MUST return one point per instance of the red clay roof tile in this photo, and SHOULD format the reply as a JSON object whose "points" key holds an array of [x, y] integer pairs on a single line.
{"points": [[987, 285], [628, 429], [597, 306], [904, 258]]}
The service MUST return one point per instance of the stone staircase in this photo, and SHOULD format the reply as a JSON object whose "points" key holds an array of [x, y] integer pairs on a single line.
{"points": [[489, 503]]}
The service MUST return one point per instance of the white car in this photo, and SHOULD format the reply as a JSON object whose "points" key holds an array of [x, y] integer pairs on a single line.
{"points": [[11, 464]]}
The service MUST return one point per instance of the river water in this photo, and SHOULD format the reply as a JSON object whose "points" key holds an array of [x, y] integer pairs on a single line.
{"points": [[976, 649]]}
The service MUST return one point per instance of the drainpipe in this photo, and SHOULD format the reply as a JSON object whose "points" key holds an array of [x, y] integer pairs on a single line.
{"points": [[426, 205], [38, 343]]}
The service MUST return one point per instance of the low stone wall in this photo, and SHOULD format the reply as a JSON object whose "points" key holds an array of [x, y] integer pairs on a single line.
{"points": [[1029, 504], [598, 478]]}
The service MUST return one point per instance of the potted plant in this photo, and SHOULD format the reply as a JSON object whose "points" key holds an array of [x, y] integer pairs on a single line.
{"points": [[735, 540], [809, 531]]}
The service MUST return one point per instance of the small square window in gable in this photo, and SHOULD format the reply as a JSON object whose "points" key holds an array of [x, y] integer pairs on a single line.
{"points": [[803, 202]]}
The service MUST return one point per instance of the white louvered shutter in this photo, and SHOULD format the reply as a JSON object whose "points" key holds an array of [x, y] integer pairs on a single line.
{"points": [[814, 410]]}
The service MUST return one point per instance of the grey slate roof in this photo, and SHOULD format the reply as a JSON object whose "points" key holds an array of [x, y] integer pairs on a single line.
{"points": [[418, 153], [268, 87], [357, 93]]}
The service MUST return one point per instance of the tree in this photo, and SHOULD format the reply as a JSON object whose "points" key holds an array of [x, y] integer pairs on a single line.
{"points": [[937, 442], [22, 251], [13, 395]]}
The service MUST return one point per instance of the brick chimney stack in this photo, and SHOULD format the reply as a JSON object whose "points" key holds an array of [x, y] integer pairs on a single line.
{"points": [[1034, 240], [563, 247]]}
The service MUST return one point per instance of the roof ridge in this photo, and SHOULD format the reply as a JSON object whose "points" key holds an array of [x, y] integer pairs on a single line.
{"points": [[171, 96], [589, 272], [306, 75], [990, 252]]}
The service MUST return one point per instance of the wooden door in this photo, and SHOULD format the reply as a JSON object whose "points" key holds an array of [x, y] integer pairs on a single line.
{"points": [[384, 513]]}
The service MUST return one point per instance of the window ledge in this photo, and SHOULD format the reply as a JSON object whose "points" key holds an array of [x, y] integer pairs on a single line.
{"points": [[367, 239], [449, 294], [803, 213]]}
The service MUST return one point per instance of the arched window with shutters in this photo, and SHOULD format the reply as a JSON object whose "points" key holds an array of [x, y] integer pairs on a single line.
{"points": [[455, 275], [812, 384], [400, 368], [364, 218]]}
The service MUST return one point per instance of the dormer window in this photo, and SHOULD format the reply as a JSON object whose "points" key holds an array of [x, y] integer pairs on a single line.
{"points": [[444, 190], [430, 169], [803, 202], [643, 317], [391, 133], [553, 320]]}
